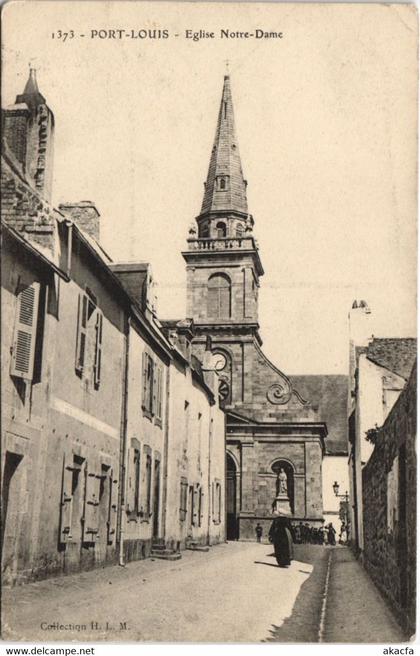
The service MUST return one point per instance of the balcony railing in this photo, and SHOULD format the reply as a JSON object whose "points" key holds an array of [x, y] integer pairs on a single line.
{"points": [[222, 244]]}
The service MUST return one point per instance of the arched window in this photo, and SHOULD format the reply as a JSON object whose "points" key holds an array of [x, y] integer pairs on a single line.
{"points": [[221, 229], [204, 230], [222, 184], [219, 296], [239, 230]]}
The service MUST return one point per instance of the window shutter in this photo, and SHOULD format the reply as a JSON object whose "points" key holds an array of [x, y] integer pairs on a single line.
{"points": [[23, 349], [90, 523], [195, 508], [131, 481], [154, 382], [148, 483], [159, 392], [200, 519], [98, 350], [81, 333], [144, 366], [112, 511], [183, 499], [66, 503]]}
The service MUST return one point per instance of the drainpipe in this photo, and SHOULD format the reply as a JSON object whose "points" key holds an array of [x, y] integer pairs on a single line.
{"points": [[165, 455], [123, 448], [69, 225], [209, 478]]}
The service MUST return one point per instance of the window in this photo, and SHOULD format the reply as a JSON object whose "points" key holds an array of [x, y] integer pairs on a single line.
{"points": [[133, 501], [204, 231], [221, 230], [89, 339], [88, 503], [147, 384], [72, 496], [25, 331], [239, 230], [183, 499], [90, 519], [152, 402], [219, 296], [222, 182]]}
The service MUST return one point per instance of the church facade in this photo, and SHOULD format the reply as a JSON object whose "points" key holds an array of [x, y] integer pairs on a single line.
{"points": [[275, 437]]}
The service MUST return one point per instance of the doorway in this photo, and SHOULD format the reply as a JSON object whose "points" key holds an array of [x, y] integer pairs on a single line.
{"points": [[232, 518], [10, 503]]}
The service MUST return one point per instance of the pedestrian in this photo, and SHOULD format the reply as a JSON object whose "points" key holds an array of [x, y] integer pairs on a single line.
{"points": [[258, 531], [298, 535], [302, 532], [343, 534], [281, 538], [331, 535]]}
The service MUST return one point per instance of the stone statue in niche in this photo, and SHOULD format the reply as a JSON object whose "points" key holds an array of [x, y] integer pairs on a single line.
{"points": [[281, 483]]}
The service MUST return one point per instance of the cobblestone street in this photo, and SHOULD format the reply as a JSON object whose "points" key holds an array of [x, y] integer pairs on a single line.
{"points": [[234, 593]]}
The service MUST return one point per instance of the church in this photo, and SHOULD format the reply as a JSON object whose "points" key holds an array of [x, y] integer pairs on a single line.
{"points": [[275, 436]]}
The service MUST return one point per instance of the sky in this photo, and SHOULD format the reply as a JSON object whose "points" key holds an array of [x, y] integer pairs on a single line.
{"points": [[326, 125]]}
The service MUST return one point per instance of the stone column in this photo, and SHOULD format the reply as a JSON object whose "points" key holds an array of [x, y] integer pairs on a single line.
{"points": [[248, 500]]}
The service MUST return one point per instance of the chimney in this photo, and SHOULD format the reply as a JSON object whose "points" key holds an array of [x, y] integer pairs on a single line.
{"points": [[360, 334], [85, 215]]}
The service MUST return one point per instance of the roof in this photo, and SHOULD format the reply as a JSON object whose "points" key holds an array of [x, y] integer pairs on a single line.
{"points": [[330, 394], [225, 161], [31, 95], [397, 354]]}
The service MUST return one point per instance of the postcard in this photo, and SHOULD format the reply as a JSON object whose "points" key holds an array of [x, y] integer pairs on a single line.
{"points": [[209, 322]]}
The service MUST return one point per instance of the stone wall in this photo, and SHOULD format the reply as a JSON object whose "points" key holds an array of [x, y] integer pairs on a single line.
{"points": [[24, 209], [389, 503]]}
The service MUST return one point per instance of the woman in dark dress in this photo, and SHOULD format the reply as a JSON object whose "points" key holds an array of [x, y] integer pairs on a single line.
{"points": [[281, 537]]}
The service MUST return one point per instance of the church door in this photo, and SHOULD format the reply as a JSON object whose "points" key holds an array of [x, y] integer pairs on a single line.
{"points": [[232, 519]]}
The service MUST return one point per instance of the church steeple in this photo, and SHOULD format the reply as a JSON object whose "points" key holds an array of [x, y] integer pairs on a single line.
{"points": [[31, 95], [225, 188], [28, 128]]}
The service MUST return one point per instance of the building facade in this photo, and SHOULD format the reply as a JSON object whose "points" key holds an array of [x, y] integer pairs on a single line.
{"points": [[389, 507], [379, 370], [93, 388], [270, 426]]}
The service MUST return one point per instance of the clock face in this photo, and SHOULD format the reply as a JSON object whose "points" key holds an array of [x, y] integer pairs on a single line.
{"points": [[218, 361]]}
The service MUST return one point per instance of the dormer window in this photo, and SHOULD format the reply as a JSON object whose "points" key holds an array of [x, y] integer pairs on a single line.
{"points": [[222, 182]]}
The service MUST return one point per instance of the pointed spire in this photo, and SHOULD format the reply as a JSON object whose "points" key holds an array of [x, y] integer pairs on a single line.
{"points": [[225, 189], [31, 95]]}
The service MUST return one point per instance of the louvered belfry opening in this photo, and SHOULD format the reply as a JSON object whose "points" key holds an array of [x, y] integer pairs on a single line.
{"points": [[219, 297]]}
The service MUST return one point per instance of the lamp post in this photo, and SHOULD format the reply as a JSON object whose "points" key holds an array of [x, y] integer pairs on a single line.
{"points": [[343, 505]]}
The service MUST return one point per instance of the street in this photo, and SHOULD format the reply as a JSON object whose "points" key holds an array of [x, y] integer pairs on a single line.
{"points": [[234, 593]]}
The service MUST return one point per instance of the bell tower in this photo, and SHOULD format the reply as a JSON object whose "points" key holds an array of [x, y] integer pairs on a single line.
{"points": [[223, 263], [28, 128]]}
